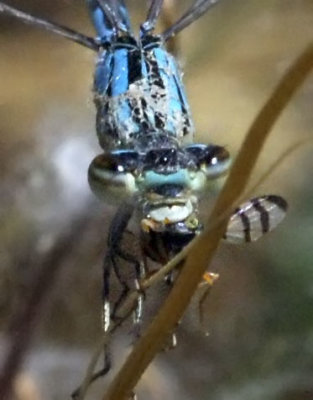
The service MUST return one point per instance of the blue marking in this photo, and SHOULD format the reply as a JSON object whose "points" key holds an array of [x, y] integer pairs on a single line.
{"points": [[120, 84], [152, 179], [103, 27], [168, 77], [123, 114], [103, 73], [144, 70]]}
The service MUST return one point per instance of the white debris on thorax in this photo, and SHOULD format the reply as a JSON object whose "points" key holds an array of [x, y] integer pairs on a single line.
{"points": [[158, 102]]}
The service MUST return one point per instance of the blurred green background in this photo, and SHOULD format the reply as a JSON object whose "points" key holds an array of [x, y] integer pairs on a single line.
{"points": [[260, 312]]}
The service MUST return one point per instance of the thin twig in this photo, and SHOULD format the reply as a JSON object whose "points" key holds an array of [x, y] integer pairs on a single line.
{"points": [[202, 252]]}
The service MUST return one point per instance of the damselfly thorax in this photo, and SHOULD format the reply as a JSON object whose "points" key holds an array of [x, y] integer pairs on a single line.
{"points": [[138, 90]]}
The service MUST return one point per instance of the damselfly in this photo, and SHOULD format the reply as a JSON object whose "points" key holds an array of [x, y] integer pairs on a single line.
{"points": [[150, 163], [145, 127]]}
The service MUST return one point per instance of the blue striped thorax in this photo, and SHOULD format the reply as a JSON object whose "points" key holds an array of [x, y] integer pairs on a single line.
{"points": [[138, 89]]}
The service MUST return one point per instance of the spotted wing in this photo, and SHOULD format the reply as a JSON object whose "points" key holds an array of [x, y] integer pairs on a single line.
{"points": [[254, 218]]}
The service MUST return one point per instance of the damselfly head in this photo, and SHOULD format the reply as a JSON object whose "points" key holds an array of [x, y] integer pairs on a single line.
{"points": [[117, 174]]}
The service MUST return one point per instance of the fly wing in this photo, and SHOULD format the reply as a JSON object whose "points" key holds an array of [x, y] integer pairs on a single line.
{"points": [[253, 219]]}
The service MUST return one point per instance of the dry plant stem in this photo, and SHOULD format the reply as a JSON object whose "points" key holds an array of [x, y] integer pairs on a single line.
{"points": [[23, 324], [202, 252]]}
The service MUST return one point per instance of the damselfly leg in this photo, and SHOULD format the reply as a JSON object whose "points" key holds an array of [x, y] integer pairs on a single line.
{"points": [[154, 11], [197, 9], [111, 262], [52, 27]]}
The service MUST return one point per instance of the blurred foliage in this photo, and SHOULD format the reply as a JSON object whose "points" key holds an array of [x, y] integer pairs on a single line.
{"points": [[260, 312]]}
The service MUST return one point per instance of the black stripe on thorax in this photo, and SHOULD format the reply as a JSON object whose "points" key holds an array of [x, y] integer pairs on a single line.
{"points": [[109, 88], [151, 42], [134, 65], [153, 69], [183, 108]]}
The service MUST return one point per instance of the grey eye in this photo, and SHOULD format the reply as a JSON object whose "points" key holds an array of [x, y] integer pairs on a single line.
{"points": [[119, 161], [111, 175], [213, 160]]}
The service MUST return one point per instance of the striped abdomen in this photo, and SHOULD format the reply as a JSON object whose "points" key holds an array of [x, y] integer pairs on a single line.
{"points": [[138, 89]]}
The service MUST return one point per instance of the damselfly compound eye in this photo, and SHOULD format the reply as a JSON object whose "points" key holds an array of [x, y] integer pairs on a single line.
{"points": [[111, 175], [213, 160]]}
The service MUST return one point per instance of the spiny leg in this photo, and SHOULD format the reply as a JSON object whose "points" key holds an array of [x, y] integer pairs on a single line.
{"points": [[192, 14], [81, 390], [57, 29], [139, 275], [123, 282], [116, 232], [115, 235], [169, 280]]}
